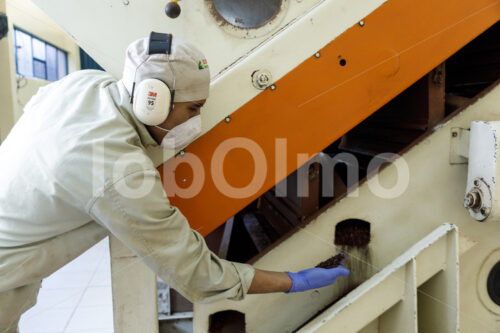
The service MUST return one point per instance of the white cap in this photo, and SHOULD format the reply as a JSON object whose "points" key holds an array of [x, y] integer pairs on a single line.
{"points": [[192, 76]]}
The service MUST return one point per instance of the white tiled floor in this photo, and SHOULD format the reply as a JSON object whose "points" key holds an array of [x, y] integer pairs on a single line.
{"points": [[76, 298]]}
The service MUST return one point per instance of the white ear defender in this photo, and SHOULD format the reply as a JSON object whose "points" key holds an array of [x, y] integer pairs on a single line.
{"points": [[152, 100]]}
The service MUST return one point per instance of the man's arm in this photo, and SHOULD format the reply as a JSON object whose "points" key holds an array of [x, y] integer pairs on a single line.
{"points": [[160, 235], [270, 282]]}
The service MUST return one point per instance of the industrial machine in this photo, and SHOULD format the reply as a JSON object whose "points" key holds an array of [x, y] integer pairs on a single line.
{"points": [[328, 117]]}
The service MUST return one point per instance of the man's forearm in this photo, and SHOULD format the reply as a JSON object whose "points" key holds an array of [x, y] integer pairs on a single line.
{"points": [[269, 282]]}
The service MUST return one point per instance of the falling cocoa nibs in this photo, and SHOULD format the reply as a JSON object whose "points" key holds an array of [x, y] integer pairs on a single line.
{"points": [[334, 261]]}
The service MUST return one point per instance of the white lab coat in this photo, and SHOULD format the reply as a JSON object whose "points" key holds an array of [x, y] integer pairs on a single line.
{"points": [[78, 155]]}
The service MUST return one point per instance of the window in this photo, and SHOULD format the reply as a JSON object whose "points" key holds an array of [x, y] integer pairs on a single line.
{"points": [[37, 58]]}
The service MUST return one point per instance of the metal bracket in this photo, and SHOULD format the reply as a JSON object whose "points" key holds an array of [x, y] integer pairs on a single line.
{"points": [[459, 145], [480, 191]]}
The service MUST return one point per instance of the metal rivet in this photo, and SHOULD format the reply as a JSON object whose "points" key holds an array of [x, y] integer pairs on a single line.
{"points": [[126, 2], [454, 134], [182, 153], [476, 182], [272, 87], [227, 119], [361, 23], [317, 55]]}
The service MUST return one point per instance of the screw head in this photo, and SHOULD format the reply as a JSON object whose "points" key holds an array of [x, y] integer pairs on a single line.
{"points": [[361, 23], [317, 54], [182, 153], [476, 182], [227, 119], [126, 2], [454, 134], [263, 79], [272, 87]]}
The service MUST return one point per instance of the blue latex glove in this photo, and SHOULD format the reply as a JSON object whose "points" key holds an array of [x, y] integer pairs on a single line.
{"points": [[314, 278]]}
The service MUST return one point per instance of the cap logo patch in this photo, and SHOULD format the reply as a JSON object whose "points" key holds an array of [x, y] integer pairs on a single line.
{"points": [[202, 64]]}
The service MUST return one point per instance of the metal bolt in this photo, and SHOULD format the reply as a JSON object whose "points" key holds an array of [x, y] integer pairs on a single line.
{"points": [[182, 153], [227, 119], [317, 54], [476, 182], [361, 23], [272, 87], [454, 134], [473, 199], [261, 79], [126, 2]]}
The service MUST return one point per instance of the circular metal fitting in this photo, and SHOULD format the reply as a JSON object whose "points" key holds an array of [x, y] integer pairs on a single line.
{"points": [[488, 282], [478, 200], [361, 23], [247, 14], [227, 119], [317, 54], [493, 284], [182, 153], [126, 2], [261, 79], [272, 87]]}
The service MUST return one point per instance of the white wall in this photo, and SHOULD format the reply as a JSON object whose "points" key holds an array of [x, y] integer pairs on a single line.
{"points": [[7, 98], [27, 16], [27, 88]]}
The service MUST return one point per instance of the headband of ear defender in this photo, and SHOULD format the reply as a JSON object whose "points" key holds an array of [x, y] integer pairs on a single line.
{"points": [[152, 100]]}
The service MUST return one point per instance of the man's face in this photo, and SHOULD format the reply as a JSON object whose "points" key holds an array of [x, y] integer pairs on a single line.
{"points": [[181, 113]]}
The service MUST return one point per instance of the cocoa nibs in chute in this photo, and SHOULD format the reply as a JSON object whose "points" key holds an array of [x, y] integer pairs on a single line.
{"points": [[334, 261], [352, 233]]}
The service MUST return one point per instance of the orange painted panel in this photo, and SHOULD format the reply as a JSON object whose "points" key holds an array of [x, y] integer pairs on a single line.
{"points": [[317, 103]]}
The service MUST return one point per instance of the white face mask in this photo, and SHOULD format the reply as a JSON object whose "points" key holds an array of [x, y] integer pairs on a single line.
{"points": [[183, 134]]}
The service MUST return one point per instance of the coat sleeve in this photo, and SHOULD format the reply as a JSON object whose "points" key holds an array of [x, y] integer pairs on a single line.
{"points": [[137, 211]]}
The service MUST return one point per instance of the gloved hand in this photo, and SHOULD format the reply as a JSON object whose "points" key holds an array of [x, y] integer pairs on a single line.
{"points": [[314, 278]]}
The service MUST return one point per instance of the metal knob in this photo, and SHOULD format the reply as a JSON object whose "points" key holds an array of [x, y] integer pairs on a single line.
{"points": [[172, 9]]}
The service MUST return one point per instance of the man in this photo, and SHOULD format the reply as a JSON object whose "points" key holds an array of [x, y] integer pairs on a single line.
{"points": [[80, 165]]}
